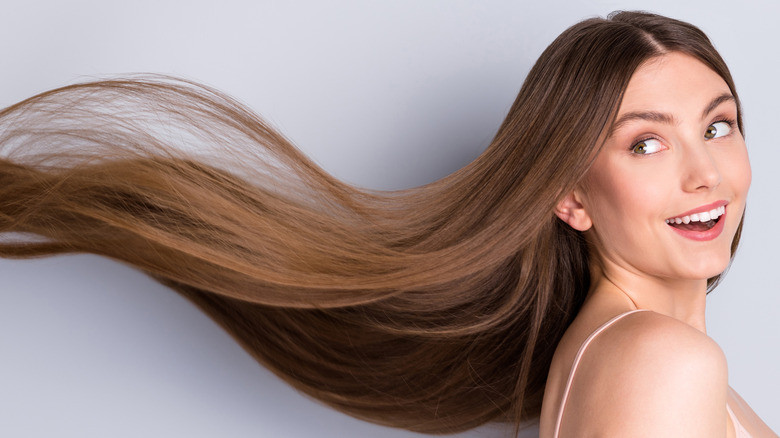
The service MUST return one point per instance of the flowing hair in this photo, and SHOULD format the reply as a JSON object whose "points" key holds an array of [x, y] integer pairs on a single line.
{"points": [[434, 309]]}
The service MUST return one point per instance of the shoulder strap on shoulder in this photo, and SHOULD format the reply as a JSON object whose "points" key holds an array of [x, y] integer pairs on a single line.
{"points": [[577, 362]]}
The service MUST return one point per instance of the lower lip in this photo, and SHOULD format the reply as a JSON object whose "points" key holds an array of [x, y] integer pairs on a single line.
{"points": [[710, 234]]}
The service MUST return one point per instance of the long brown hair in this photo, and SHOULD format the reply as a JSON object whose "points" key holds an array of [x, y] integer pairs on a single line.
{"points": [[434, 309]]}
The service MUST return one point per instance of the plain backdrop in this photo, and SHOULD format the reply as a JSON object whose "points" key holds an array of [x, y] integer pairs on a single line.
{"points": [[385, 95]]}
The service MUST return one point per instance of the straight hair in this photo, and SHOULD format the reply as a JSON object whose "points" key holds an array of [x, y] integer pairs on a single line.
{"points": [[434, 309]]}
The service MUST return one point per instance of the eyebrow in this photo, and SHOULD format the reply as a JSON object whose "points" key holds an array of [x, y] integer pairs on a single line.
{"points": [[667, 119], [725, 97]]}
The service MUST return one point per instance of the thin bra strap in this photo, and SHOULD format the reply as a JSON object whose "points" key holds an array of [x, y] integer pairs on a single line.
{"points": [[577, 362], [740, 430]]}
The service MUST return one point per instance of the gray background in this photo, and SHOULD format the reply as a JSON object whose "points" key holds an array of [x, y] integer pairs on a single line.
{"points": [[382, 94]]}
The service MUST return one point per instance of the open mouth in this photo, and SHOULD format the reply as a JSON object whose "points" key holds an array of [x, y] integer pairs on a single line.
{"points": [[703, 221]]}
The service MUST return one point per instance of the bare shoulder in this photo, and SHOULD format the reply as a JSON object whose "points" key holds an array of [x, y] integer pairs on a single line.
{"points": [[649, 375], [666, 339]]}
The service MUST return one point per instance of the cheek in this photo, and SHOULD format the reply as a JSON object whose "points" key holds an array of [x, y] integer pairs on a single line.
{"points": [[739, 168], [627, 208], [734, 166], [633, 198], [738, 175]]}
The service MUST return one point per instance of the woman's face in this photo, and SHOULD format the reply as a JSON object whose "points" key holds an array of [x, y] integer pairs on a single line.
{"points": [[666, 193]]}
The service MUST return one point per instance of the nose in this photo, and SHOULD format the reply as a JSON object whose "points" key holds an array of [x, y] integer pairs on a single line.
{"points": [[701, 171]]}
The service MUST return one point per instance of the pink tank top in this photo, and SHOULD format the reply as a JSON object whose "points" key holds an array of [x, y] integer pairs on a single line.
{"points": [[741, 432]]}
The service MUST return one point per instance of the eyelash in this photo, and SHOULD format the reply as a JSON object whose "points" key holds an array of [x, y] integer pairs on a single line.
{"points": [[727, 120]]}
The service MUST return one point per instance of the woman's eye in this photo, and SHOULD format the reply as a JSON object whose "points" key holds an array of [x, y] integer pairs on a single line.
{"points": [[717, 129], [649, 146]]}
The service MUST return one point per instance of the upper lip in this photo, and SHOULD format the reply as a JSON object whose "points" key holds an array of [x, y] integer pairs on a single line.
{"points": [[703, 208]]}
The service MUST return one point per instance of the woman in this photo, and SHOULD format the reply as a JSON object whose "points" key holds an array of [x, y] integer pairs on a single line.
{"points": [[658, 158], [437, 308]]}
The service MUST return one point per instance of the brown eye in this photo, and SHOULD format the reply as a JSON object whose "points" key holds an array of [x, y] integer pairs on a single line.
{"points": [[717, 129], [645, 147]]}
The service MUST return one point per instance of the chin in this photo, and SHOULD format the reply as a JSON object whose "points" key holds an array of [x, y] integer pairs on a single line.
{"points": [[709, 268]]}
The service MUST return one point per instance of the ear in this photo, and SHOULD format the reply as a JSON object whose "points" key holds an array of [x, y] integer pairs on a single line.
{"points": [[571, 211]]}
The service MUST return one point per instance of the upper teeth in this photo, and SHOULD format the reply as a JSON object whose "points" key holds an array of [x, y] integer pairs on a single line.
{"points": [[699, 217]]}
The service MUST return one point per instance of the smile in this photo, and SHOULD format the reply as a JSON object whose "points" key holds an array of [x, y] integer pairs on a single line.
{"points": [[702, 218], [702, 225]]}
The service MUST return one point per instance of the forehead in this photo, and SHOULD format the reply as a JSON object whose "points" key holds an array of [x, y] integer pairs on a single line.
{"points": [[672, 83]]}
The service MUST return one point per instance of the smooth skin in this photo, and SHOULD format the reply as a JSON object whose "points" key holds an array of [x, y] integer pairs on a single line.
{"points": [[675, 148]]}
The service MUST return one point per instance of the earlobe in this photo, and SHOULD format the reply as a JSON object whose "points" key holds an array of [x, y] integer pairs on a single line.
{"points": [[571, 211]]}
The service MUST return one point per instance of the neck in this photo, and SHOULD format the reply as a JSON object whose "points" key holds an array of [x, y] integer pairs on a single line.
{"points": [[684, 300]]}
